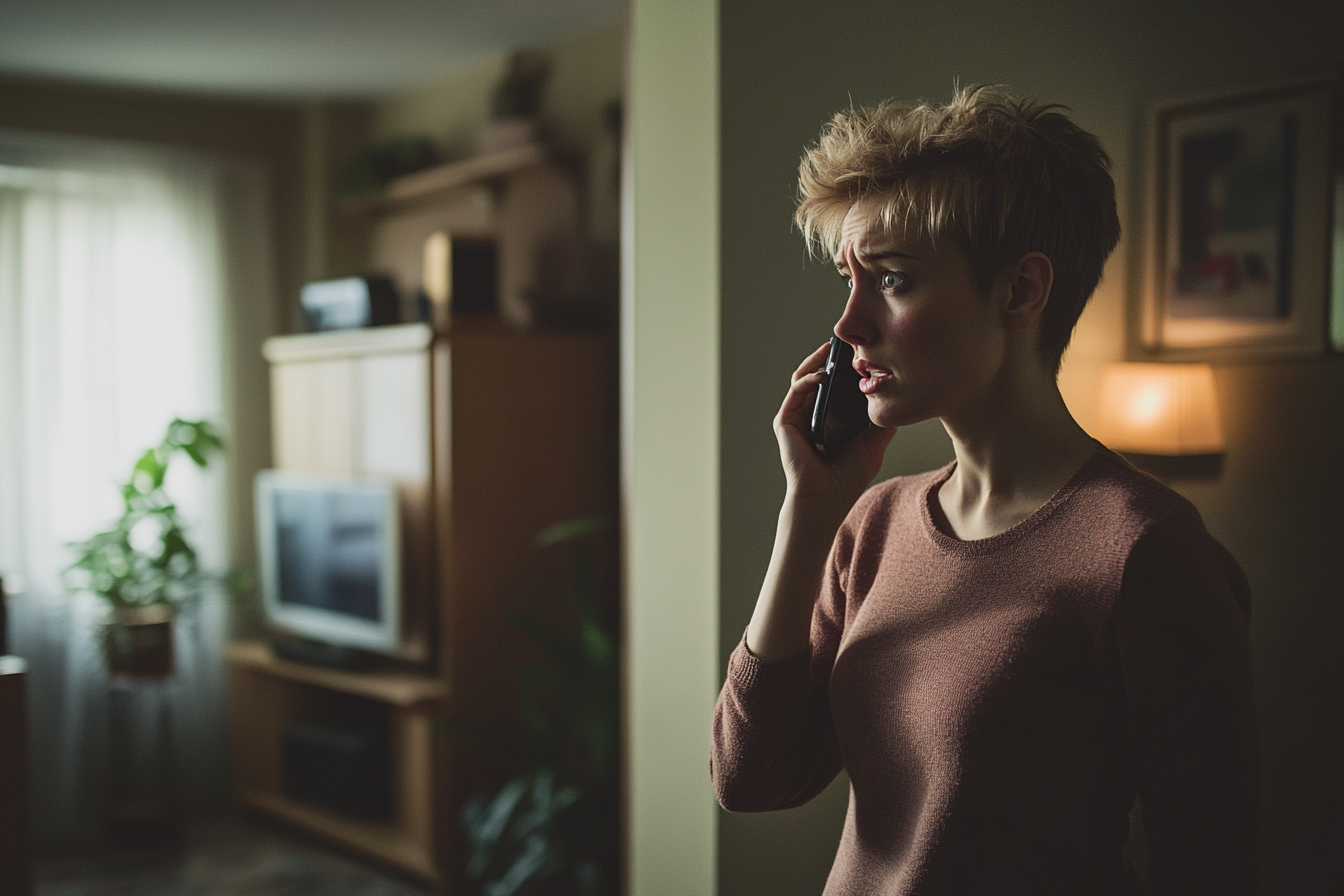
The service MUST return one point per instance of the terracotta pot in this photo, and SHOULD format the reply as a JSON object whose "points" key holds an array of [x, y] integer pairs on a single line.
{"points": [[138, 641]]}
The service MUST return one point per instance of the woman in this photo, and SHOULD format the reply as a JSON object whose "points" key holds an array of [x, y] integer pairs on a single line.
{"points": [[1000, 653]]}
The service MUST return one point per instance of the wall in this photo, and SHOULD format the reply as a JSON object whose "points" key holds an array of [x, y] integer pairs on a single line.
{"points": [[670, 443], [337, 242], [786, 67]]}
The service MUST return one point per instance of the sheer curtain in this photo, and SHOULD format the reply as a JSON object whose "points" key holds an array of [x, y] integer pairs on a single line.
{"points": [[114, 319]]}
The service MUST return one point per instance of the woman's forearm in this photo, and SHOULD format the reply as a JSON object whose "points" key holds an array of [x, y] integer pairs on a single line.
{"points": [[781, 623]]}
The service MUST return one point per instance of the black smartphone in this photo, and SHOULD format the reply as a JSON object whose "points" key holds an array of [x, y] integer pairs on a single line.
{"points": [[841, 411]]}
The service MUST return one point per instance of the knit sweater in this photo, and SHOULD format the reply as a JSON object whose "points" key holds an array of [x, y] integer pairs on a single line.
{"points": [[996, 703]]}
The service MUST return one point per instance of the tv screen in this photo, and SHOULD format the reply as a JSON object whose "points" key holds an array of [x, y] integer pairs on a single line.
{"points": [[330, 558]]}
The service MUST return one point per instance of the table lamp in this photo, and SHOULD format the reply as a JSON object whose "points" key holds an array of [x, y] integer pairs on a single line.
{"points": [[1164, 410]]}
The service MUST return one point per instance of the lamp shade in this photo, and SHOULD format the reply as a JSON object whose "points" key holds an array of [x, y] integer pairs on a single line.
{"points": [[1165, 409]]}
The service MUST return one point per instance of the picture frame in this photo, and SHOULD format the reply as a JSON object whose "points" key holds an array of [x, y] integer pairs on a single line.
{"points": [[1242, 222]]}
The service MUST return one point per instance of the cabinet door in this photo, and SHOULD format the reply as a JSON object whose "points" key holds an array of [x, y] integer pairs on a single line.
{"points": [[354, 416], [392, 434], [314, 410]]}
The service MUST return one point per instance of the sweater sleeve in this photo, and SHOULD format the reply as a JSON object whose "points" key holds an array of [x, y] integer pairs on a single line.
{"points": [[773, 743], [1182, 635]]}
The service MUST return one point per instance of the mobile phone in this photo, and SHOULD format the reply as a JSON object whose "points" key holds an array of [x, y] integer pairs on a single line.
{"points": [[841, 411]]}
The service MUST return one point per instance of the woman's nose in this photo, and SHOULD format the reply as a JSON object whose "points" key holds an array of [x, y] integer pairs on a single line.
{"points": [[853, 325]]}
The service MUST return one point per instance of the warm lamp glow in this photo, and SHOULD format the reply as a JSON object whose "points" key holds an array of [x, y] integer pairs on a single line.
{"points": [[1167, 409]]}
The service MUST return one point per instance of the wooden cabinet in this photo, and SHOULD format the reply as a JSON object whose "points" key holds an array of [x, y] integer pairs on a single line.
{"points": [[492, 435]]}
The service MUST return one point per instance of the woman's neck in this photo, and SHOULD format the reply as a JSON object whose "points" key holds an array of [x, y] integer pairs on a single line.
{"points": [[1013, 454]]}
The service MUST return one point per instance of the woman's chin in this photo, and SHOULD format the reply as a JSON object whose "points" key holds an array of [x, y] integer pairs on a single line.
{"points": [[889, 414]]}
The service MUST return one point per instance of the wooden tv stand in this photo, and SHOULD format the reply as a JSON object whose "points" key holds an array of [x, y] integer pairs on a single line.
{"points": [[492, 435], [265, 693]]}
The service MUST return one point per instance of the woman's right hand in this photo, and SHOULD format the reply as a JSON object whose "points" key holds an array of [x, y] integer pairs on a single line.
{"points": [[811, 478], [820, 493]]}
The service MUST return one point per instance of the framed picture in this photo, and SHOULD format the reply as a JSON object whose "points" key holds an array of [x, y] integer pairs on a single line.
{"points": [[1240, 229]]}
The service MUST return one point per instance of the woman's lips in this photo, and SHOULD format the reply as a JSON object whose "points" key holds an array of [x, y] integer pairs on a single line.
{"points": [[870, 378]]}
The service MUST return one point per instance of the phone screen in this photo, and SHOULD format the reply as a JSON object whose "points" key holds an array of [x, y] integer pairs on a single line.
{"points": [[841, 411]]}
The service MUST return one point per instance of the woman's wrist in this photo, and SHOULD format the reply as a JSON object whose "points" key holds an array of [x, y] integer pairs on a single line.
{"points": [[813, 514]]}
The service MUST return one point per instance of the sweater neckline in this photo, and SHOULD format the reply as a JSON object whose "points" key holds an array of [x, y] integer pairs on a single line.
{"points": [[953, 545]]}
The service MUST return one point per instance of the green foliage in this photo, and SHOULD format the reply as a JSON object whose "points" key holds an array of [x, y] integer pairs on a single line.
{"points": [[518, 94], [145, 558], [513, 836], [554, 827]]}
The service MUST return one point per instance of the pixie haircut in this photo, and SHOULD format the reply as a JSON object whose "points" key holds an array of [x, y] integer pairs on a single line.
{"points": [[999, 175]]}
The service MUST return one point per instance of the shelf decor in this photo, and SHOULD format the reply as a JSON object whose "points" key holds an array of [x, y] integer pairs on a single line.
{"points": [[1239, 219]]}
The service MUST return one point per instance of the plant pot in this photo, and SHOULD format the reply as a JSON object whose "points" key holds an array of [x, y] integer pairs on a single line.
{"points": [[138, 642]]}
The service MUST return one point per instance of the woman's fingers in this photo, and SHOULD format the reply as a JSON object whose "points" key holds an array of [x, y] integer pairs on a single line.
{"points": [[796, 409], [813, 363]]}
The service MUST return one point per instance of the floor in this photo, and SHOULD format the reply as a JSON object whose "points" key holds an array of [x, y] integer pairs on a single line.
{"points": [[236, 855]]}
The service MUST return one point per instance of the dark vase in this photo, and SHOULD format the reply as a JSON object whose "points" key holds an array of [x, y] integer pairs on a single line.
{"points": [[138, 642]]}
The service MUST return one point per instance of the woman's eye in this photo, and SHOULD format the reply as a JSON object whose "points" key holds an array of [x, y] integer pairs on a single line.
{"points": [[892, 279]]}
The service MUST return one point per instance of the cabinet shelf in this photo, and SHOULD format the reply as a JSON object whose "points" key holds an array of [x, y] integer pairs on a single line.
{"points": [[267, 693], [400, 689], [432, 183], [384, 842]]}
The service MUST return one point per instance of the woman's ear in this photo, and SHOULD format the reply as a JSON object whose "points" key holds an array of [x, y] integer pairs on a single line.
{"points": [[1029, 282]]}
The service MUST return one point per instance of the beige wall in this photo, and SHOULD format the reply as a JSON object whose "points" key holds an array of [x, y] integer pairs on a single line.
{"points": [[786, 66], [670, 443]]}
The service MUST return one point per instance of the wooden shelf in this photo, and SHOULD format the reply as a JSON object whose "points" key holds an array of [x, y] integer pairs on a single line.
{"points": [[432, 183], [400, 689], [383, 842]]}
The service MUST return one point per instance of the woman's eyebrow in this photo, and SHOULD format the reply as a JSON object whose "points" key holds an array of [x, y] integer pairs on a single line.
{"points": [[883, 256], [868, 257]]}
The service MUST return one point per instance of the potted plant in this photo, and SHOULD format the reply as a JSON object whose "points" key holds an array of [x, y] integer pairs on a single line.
{"points": [[144, 566], [554, 826], [515, 103]]}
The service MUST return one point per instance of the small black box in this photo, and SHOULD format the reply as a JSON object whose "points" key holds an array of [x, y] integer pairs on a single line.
{"points": [[350, 303], [345, 769], [475, 276]]}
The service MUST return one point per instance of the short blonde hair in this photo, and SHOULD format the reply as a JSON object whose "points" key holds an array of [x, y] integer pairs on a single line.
{"points": [[1001, 175]]}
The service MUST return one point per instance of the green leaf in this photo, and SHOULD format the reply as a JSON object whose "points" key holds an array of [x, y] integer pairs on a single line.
{"points": [[107, 564], [147, 474], [198, 439], [570, 530]]}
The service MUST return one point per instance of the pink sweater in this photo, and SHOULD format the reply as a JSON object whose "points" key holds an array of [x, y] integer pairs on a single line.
{"points": [[996, 703]]}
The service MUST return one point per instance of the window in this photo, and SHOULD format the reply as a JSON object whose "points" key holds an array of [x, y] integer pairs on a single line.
{"points": [[115, 284]]}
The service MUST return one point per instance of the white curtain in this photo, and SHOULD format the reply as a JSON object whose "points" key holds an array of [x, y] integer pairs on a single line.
{"points": [[113, 320]]}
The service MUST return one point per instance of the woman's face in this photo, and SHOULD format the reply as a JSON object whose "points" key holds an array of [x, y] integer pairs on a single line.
{"points": [[927, 342]]}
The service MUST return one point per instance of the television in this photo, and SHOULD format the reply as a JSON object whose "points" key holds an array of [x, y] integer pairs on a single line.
{"points": [[330, 561]]}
